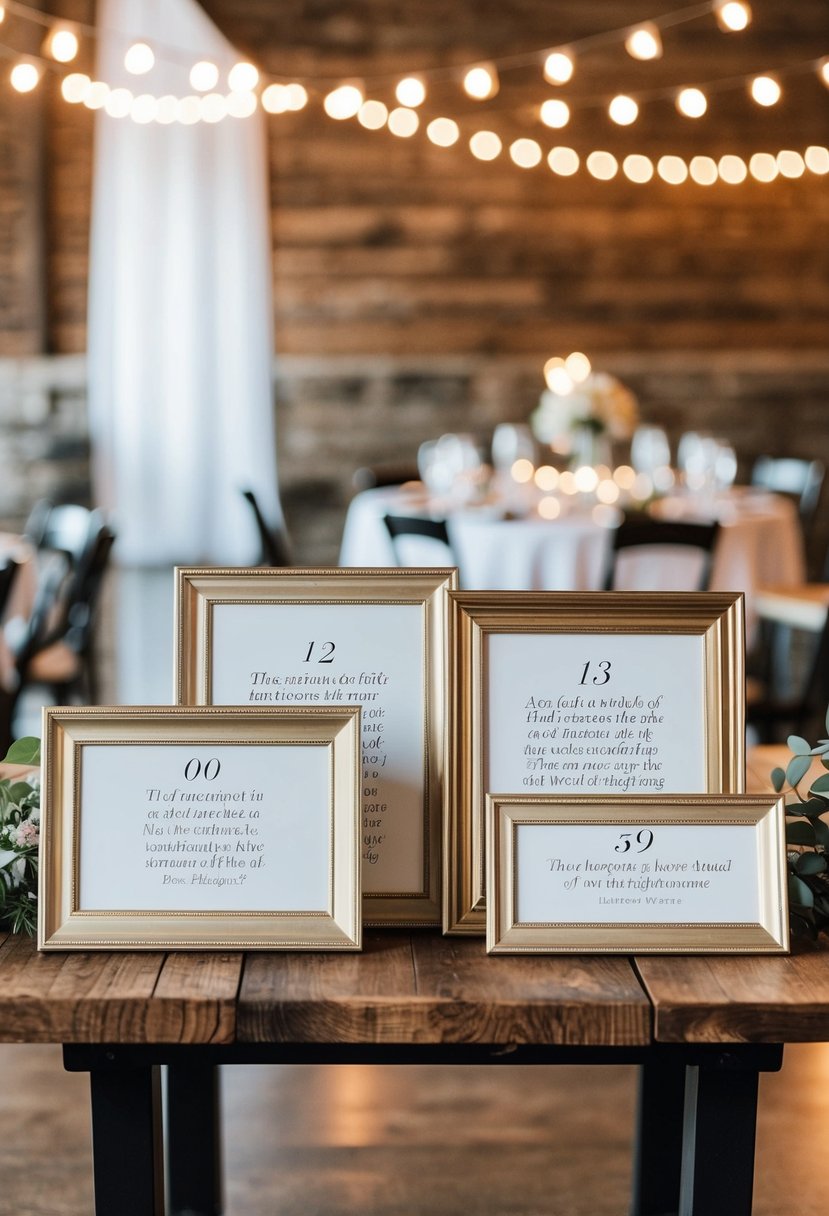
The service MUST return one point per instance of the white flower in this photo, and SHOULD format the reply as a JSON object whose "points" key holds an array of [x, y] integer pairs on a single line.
{"points": [[18, 871], [601, 400]]}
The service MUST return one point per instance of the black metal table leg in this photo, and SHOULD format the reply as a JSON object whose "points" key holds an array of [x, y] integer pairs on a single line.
{"points": [[127, 1150], [194, 1153], [718, 1135], [658, 1151]]}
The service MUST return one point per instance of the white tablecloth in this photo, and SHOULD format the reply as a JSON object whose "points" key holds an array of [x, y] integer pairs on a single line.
{"points": [[760, 543]]}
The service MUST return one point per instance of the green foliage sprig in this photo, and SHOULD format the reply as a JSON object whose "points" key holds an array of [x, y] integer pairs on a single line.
{"points": [[19, 840], [807, 836]]}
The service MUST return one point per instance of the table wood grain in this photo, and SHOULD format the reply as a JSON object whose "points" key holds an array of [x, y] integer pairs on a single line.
{"points": [[423, 988]]}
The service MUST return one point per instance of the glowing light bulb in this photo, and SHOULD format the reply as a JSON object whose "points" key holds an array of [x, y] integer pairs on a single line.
{"points": [[563, 161], [189, 111], [732, 170], [549, 508], [624, 476], [765, 90], [167, 111], [525, 153], [74, 87], [817, 159], [567, 483], [213, 107], [644, 42], [823, 71], [692, 103], [559, 67], [373, 115], [623, 110], [444, 132], [403, 122], [732, 15], [242, 78], [578, 367], [139, 58], [638, 169], [96, 95], [24, 77], [297, 96], [481, 81], [62, 44], [485, 145], [763, 167], [144, 108], [242, 104], [119, 103], [602, 165], [672, 169], [343, 102], [2, 13], [790, 164], [204, 76], [703, 170], [607, 491], [557, 377], [411, 92], [555, 113], [522, 471], [274, 99], [546, 477]]}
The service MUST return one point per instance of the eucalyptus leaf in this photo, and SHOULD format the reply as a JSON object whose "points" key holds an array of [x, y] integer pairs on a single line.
{"points": [[799, 745], [812, 808], [801, 831], [24, 751], [20, 790], [797, 769], [821, 830], [821, 749], [778, 779], [811, 863], [799, 894], [820, 785]]}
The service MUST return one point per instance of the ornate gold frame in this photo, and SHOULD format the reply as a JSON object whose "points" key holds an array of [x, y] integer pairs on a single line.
{"points": [[505, 934], [474, 615], [62, 925], [198, 590]]}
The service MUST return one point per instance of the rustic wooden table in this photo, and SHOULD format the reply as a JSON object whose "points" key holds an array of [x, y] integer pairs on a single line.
{"points": [[701, 1028]]}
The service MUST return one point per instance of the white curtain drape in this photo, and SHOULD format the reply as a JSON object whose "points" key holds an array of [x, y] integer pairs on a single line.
{"points": [[180, 316]]}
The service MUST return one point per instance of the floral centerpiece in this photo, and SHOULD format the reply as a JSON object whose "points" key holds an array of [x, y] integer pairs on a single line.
{"points": [[19, 839], [582, 411]]}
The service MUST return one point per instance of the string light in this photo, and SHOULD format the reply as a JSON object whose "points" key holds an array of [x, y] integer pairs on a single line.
{"points": [[485, 145], [644, 42], [343, 102], [732, 15], [242, 78], [692, 103], [213, 107], [274, 98], [74, 87], [638, 169], [732, 170], [557, 377], [61, 44], [373, 115], [765, 90], [602, 165], [577, 366], [763, 167], [204, 76], [563, 161], [189, 111], [167, 110], [411, 92], [242, 104], [623, 110], [525, 153], [139, 59], [549, 507], [817, 159], [96, 95], [297, 96], [555, 113], [559, 66], [703, 170], [403, 122], [444, 132], [24, 77], [790, 164], [144, 109], [481, 82], [823, 71], [546, 477], [672, 169], [119, 103]]}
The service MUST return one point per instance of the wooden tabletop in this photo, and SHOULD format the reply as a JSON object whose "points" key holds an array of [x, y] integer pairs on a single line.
{"points": [[802, 607]]}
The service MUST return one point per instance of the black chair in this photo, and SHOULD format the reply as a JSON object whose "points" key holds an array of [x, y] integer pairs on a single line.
{"points": [[641, 532], [58, 647], [775, 710], [275, 546], [801, 480], [64, 529], [401, 526], [8, 573]]}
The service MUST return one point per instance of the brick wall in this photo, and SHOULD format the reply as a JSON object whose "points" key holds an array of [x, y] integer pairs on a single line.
{"points": [[417, 290]]}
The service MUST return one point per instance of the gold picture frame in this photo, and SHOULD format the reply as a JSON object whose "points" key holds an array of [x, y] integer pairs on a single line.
{"points": [[517, 632], [720, 887], [229, 619], [194, 829]]}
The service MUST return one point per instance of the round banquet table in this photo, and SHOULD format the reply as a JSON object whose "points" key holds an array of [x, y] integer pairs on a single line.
{"points": [[760, 543]]}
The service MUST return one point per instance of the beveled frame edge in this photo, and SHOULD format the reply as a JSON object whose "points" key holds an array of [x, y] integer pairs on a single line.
{"points": [[66, 730], [194, 587], [770, 935], [717, 616]]}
